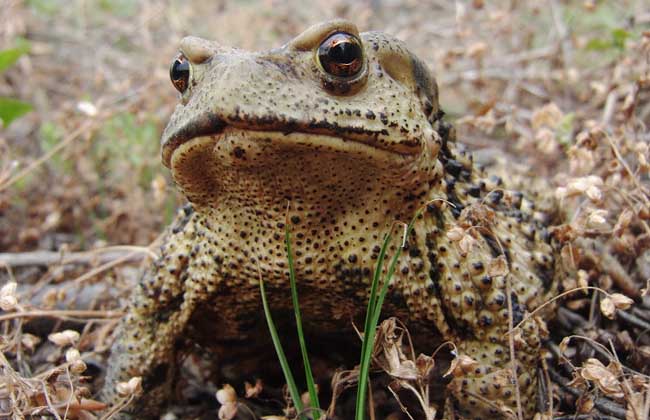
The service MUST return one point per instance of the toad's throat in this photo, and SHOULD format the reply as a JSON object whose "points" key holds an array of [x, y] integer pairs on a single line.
{"points": [[262, 168]]}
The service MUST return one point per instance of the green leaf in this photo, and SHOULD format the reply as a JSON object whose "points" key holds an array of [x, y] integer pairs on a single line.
{"points": [[619, 36], [617, 40], [9, 56], [598, 44], [10, 109]]}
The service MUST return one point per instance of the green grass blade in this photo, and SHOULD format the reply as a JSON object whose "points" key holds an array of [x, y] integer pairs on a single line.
{"points": [[389, 275], [369, 334], [372, 319], [313, 395], [291, 383]]}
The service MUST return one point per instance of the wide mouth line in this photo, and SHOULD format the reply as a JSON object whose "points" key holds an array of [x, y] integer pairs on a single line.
{"points": [[171, 144]]}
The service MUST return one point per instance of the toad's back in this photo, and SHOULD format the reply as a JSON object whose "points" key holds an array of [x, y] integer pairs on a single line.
{"points": [[340, 135]]}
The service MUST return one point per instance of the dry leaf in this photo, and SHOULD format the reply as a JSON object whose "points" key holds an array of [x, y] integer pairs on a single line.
{"points": [[597, 219], [466, 244], [607, 307], [64, 338], [253, 391], [545, 141], [461, 365], [646, 290], [133, 386], [549, 115], [564, 344], [498, 267], [455, 234], [227, 397], [624, 220], [583, 279], [621, 301], [8, 299], [226, 394], [593, 370], [585, 404]]}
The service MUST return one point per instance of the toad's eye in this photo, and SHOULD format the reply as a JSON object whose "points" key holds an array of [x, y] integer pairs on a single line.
{"points": [[341, 55], [179, 72]]}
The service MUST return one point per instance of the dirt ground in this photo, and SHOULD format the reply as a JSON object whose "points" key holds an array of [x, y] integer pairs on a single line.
{"points": [[562, 87]]}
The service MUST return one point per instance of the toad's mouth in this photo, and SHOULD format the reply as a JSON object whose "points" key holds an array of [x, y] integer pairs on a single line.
{"points": [[314, 135]]}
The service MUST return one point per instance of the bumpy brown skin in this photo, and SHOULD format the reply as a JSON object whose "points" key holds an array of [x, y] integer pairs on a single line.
{"points": [[256, 131]]}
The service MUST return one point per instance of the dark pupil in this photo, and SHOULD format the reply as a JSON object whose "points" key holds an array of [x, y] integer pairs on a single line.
{"points": [[180, 73], [345, 52]]}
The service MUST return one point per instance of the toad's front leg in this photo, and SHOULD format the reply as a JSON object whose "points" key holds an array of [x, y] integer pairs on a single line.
{"points": [[157, 315]]}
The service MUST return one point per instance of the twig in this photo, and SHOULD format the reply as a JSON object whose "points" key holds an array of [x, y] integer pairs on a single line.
{"points": [[118, 407], [68, 314], [608, 109], [633, 319], [102, 256], [92, 273], [49, 402]]}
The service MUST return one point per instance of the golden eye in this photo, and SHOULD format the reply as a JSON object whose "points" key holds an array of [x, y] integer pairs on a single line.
{"points": [[179, 73], [341, 55]]}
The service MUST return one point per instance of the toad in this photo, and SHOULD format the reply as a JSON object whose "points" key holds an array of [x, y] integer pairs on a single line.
{"points": [[338, 134]]}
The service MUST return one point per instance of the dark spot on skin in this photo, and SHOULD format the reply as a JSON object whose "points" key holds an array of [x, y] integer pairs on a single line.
{"points": [[474, 191], [239, 153], [414, 252], [517, 198], [496, 196], [497, 180], [453, 167], [295, 220], [518, 310], [485, 321]]}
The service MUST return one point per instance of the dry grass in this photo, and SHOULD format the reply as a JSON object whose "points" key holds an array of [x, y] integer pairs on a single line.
{"points": [[563, 87]]}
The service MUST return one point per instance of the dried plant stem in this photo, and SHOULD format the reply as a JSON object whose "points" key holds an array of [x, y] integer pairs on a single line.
{"points": [[102, 255], [68, 314]]}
